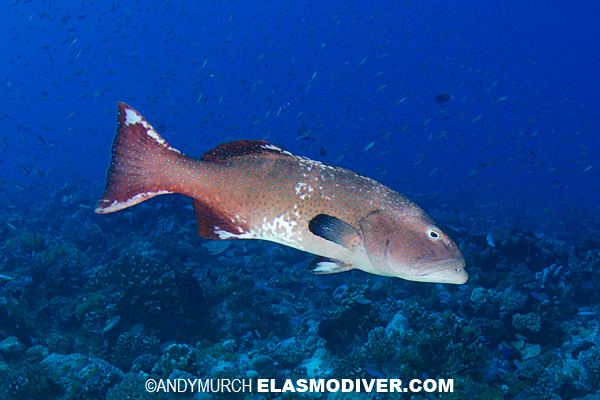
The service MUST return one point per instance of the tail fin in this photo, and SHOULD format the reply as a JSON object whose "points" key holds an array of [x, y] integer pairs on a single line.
{"points": [[139, 157]]}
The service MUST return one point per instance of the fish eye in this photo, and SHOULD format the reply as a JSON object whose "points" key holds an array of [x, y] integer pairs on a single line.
{"points": [[433, 233]]}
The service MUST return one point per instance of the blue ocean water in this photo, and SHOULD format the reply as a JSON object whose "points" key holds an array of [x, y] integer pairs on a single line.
{"points": [[485, 114]]}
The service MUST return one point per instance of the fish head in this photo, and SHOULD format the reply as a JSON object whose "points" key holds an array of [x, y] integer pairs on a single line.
{"points": [[410, 246]]}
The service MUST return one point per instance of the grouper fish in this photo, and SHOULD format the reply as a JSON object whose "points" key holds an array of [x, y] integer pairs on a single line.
{"points": [[252, 189]]}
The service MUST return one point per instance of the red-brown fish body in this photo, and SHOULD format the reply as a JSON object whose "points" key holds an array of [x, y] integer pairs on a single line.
{"points": [[255, 190]]}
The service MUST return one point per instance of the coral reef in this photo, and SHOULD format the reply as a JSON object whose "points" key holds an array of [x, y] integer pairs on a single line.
{"points": [[81, 376], [529, 322], [86, 315]]}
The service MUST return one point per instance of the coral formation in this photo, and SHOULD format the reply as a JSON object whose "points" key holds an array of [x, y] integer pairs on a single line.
{"points": [[81, 376], [87, 317]]}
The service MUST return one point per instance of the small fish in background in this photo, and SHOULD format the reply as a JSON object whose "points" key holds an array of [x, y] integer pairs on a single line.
{"points": [[586, 313], [255, 190], [305, 134], [490, 239], [368, 146], [25, 169], [110, 325], [443, 97], [477, 118]]}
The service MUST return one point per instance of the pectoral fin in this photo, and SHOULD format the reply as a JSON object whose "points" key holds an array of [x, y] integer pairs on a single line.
{"points": [[335, 230], [322, 266]]}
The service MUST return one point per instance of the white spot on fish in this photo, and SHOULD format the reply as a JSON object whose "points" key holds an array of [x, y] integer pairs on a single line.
{"points": [[119, 205], [132, 118], [154, 135], [228, 235], [280, 230], [303, 190], [275, 148], [309, 164], [299, 187]]}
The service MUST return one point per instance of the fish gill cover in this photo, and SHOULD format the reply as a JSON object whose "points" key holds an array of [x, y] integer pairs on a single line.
{"points": [[486, 117]]}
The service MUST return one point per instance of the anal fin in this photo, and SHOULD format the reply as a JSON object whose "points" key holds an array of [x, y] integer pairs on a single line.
{"points": [[323, 266], [217, 226]]}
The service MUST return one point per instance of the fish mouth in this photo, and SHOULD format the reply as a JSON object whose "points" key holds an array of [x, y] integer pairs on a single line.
{"points": [[442, 271]]}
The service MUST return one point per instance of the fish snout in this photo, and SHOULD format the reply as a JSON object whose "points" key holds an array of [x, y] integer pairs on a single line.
{"points": [[442, 271]]}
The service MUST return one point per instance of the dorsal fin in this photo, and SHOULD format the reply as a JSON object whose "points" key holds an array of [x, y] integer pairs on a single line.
{"points": [[239, 148]]}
